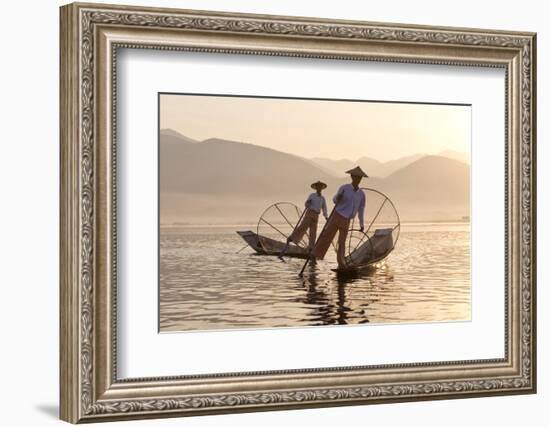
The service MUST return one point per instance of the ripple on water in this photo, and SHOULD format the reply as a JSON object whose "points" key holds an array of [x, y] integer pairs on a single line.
{"points": [[206, 284]]}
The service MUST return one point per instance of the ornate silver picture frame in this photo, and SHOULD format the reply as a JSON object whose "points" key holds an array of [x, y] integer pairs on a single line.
{"points": [[91, 37]]}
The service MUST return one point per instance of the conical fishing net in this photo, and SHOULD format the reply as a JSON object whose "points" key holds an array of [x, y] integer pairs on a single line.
{"points": [[275, 226], [380, 234]]}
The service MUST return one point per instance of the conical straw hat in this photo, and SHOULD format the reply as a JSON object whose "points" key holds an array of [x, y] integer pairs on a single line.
{"points": [[319, 184], [357, 171]]}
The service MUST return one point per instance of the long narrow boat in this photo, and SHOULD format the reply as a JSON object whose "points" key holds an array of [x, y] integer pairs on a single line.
{"points": [[270, 246]]}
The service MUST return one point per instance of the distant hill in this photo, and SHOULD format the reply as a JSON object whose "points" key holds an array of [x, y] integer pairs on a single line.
{"points": [[217, 166], [451, 154], [230, 181], [336, 168], [170, 136], [372, 166], [451, 176], [393, 165], [433, 184]]}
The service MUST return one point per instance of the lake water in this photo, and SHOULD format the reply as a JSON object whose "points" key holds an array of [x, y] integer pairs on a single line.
{"points": [[205, 283]]}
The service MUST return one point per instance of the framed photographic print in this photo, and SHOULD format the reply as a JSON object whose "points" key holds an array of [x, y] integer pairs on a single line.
{"points": [[266, 212]]}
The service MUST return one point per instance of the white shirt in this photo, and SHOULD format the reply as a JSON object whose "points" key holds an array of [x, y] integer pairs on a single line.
{"points": [[316, 202], [352, 202]]}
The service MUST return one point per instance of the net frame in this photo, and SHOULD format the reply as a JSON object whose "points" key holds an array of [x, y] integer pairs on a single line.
{"points": [[292, 222], [364, 238]]}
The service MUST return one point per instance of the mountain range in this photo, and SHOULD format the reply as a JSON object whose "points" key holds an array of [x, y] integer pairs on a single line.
{"points": [[218, 180], [379, 169]]}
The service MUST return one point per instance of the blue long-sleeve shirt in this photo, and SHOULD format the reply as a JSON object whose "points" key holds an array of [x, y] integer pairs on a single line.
{"points": [[317, 203], [352, 202]]}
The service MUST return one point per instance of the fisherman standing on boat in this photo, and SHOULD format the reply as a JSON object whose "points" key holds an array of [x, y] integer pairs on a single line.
{"points": [[349, 201], [314, 204]]}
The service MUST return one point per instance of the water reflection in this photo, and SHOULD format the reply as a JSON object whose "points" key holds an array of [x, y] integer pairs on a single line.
{"points": [[206, 284], [334, 309]]}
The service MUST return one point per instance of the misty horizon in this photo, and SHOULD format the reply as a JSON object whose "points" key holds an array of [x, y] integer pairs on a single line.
{"points": [[218, 181]]}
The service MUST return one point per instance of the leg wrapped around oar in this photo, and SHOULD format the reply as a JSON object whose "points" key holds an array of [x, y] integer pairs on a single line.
{"points": [[308, 220], [337, 223], [311, 255]]}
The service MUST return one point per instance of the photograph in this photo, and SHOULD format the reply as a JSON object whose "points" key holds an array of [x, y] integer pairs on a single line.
{"points": [[298, 212]]}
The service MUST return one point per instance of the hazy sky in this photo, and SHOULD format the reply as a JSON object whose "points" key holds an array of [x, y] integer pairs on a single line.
{"points": [[331, 129]]}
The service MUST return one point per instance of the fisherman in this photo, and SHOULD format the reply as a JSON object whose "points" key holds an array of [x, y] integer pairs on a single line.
{"points": [[315, 203], [349, 201]]}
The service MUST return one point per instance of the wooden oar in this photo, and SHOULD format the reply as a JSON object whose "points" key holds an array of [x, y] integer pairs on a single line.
{"points": [[243, 248], [320, 234]]}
